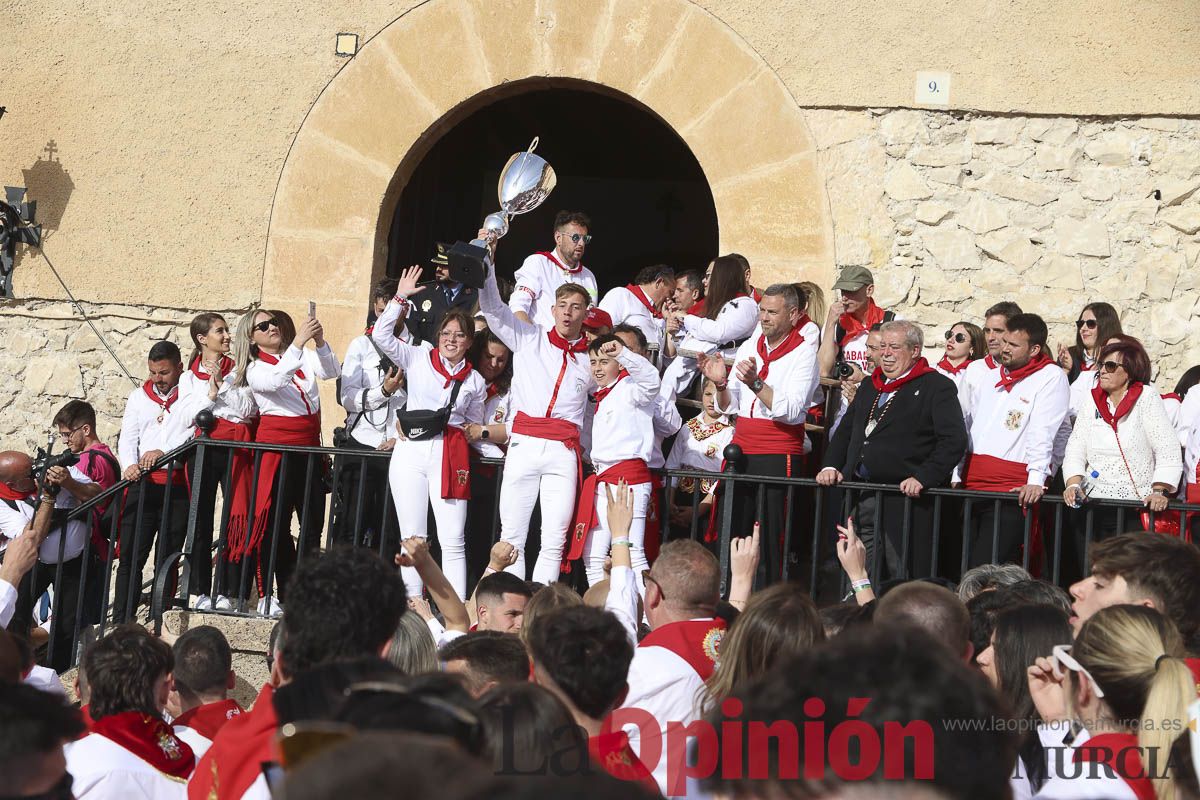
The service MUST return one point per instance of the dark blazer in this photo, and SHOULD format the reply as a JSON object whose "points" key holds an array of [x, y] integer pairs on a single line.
{"points": [[921, 436], [432, 306]]}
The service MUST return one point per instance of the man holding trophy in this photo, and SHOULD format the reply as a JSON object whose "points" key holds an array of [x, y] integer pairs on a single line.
{"points": [[542, 273]]}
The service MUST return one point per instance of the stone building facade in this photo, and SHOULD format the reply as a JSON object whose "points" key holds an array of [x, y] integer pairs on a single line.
{"points": [[197, 158]]}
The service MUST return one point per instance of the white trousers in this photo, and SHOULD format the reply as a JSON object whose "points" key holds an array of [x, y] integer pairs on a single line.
{"points": [[536, 468], [415, 475], [599, 539]]}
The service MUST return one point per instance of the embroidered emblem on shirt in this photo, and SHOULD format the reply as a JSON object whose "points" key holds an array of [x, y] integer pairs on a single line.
{"points": [[499, 416], [168, 744], [462, 476], [1013, 421], [711, 645], [711, 451]]}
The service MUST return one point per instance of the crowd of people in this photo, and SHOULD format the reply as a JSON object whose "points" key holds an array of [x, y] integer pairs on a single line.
{"points": [[512, 682]]}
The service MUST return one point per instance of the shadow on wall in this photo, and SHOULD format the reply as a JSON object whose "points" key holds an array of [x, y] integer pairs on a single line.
{"points": [[47, 183]]}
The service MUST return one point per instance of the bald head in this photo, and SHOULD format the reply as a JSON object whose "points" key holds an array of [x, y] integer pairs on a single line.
{"points": [[933, 608], [15, 469], [688, 578]]}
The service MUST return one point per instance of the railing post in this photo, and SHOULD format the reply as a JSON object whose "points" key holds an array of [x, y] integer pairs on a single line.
{"points": [[206, 421], [735, 461]]}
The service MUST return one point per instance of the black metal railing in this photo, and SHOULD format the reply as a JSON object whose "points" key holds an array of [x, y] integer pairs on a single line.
{"points": [[806, 541]]}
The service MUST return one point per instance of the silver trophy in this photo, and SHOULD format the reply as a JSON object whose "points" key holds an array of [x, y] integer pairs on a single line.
{"points": [[525, 183]]}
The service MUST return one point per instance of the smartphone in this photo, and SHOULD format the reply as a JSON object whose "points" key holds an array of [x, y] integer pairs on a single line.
{"points": [[312, 309]]}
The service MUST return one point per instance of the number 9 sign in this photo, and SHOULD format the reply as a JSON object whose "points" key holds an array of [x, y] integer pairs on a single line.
{"points": [[932, 89]]}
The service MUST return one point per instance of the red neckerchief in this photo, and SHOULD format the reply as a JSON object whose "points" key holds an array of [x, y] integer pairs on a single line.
{"points": [[578, 267], [209, 718], [853, 328], [637, 292], [884, 386], [991, 362], [755, 293], [165, 405], [226, 366], [945, 364], [150, 739], [696, 641], [1011, 379], [1120, 752], [1172, 396], [464, 368], [234, 762], [492, 391], [8, 493], [370, 329], [270, 359], [1100, 398], [790, 343], [697, 308], [604, 392], [580, 345]]}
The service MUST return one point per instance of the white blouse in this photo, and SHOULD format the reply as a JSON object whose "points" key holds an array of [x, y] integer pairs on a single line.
{"points": [[1149, 442]]}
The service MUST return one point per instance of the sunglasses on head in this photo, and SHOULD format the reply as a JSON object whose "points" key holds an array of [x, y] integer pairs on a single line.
{"points": [[951, 336], [1111, 366], [579, 237], [266, 324], [1090, 324]]}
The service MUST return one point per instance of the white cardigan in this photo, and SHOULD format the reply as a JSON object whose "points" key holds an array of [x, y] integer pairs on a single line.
{"points": [[1150, 443]]}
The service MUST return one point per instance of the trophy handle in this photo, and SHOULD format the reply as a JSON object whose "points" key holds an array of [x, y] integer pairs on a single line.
{"points": [[533, 145]]}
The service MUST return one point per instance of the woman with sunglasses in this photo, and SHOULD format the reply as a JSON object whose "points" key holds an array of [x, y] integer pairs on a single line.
{"points": [[1121, 693], [1097, 323], [272, 360], [1123, 447], [1021, 635], [209, 383], [434, 470], [964, 344]]}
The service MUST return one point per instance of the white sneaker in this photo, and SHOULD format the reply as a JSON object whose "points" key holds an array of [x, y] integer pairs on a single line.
{"points": [[223, 603], [203, 603], [275, 611]]}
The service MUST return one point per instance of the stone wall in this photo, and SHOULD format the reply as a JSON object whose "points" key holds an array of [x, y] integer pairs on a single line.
{"points": [[955, 211]]}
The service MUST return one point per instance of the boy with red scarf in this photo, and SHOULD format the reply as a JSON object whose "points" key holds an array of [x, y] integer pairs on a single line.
{"points": [[1012, 426], [153, 426], [203, 678], [622, 442], [640, 303], [903, 427], [542, 274], [850, 320], [776, 378], [130, 750]]}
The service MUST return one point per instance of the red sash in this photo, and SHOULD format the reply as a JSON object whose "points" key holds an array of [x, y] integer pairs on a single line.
{"points": [[245, 537], [768, 437], [990, 474], [150, 739], [557, 430], [235, 760], [637, 292], [456, 464], [209, 718], [569, 270], [884, 386], [633, 470], [1120, 752], [946, 366], [696, 641], [853, 328], [1100, 398], [610, 751], [1010, 379]]}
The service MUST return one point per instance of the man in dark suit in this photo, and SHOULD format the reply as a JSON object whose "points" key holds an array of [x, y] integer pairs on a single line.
{"points": [[448, 294], [904, 427]]}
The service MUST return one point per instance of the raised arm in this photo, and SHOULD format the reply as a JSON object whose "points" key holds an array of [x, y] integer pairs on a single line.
{"points": [[327, 365], [416, 555], [520, 302], [622, 600], [642, 374], [827, 353], [264, 377], [514, 332], [383, 334]]}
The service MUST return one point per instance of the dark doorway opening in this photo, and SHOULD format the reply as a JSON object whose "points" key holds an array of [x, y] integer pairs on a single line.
{"points": [[615, 160]]}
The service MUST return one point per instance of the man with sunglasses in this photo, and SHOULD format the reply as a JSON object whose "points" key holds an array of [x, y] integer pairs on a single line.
{"points": [[1013, 425], [542, 273]]}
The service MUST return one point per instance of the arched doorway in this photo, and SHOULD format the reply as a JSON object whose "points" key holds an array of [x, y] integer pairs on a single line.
{"points": [[615, 160]]}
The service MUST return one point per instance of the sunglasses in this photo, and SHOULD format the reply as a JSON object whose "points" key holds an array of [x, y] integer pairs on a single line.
{"points": [[647, 579], [576, 238], [1062, 657], [1090, 324], [263, 326], [1111, 366], [951, 336]]}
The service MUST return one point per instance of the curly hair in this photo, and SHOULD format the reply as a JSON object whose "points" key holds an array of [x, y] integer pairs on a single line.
{"points": [[122, 670], [586, 652]]}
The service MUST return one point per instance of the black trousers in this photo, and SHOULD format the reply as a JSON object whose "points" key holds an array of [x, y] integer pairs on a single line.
{"points": [[66, 601], [890, 533], [137, 537], [772, 514], [1008, 536], [211, 477], [365, 478]]}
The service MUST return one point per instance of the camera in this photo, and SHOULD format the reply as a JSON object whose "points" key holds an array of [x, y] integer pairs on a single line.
{"points": [[44, 460], [843, 369]]}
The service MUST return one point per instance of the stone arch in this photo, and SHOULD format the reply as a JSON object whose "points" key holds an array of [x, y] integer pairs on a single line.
{"points": [[374, 121]]}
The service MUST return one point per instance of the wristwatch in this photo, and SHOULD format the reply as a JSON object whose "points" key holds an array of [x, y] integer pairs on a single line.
{"points": [[483, 432], [757, 385]]}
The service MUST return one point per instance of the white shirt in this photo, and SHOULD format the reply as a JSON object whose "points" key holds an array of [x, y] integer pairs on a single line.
{"points": [[234, 403], [1019, 425], [982, 372], [1150, 445], [660, 681], [13, 523], [623, 427], [626, 309], [46, 680], [497, 410], [103, 770], [536, 282], [701, 446], [1083, 781], [1189, 412], [195, 740], [537, 364], [667, 422], [8, 602], [735, 321], [147, 426], [429, 390], [280, 392], [793, 379], [957, 377], [362, 372]]}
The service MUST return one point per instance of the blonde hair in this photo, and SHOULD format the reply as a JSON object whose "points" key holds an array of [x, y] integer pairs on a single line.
{"points": [[814, 305], [243, 348], [1136, 656], [548, 598]]}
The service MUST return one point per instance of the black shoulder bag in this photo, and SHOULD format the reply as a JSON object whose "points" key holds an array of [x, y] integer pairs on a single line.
{"points": [[421, 425]]}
